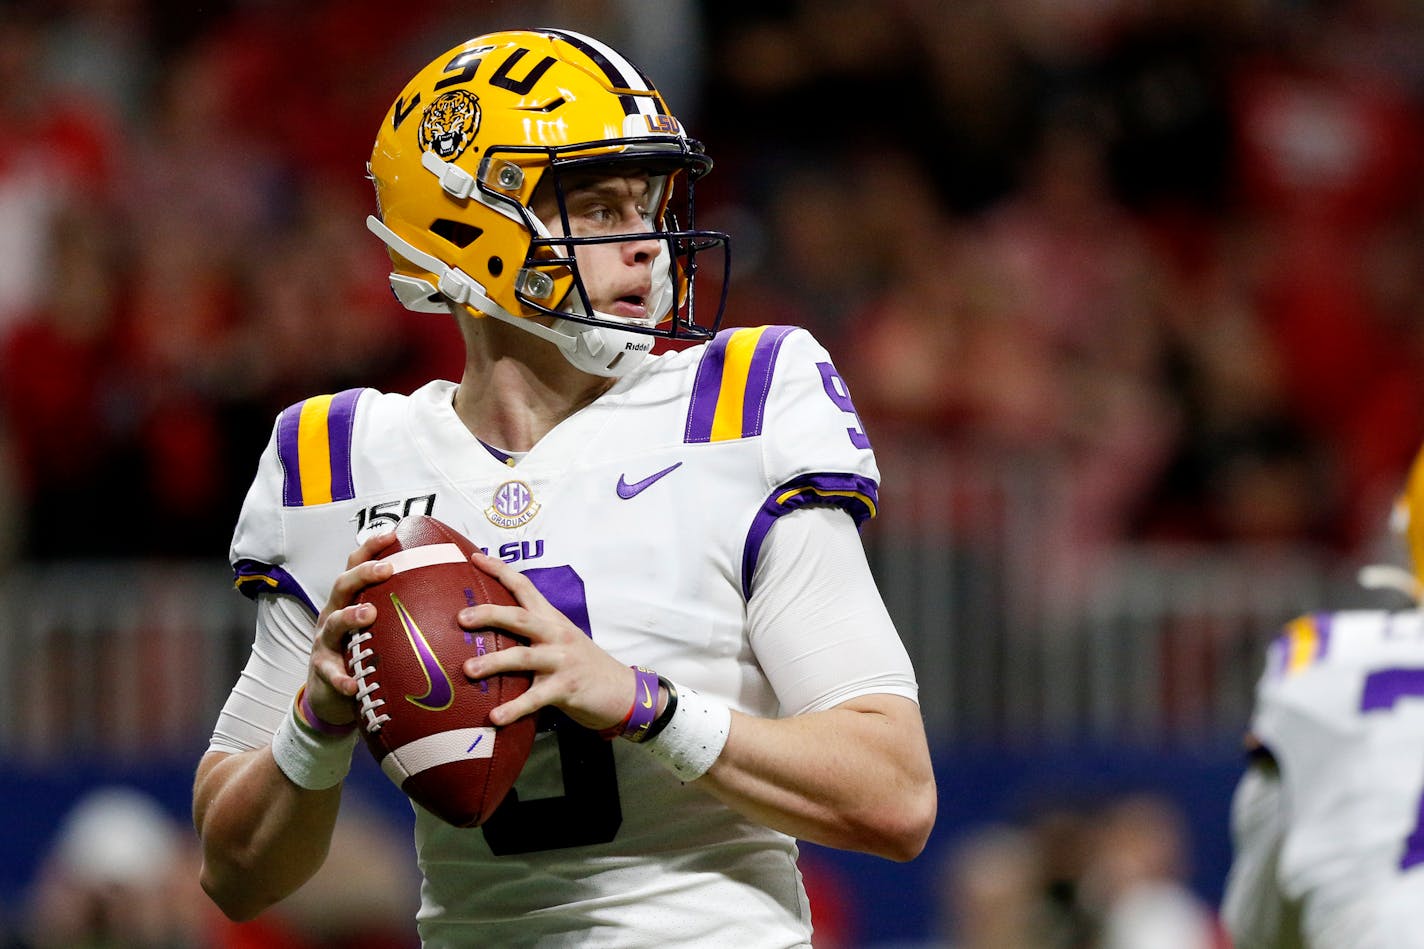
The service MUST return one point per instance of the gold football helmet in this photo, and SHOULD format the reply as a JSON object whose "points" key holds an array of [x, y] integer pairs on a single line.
{"points": [[1407, 522], [456, 164]]}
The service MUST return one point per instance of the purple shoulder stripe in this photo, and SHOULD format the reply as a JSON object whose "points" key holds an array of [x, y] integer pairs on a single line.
{"points": [[758, 385], [1277, 655], [732, 384], [1301, 642], [702, 406], [855, 494], [288, 425], [340, 424], [252, 578], [1324, 622], [314, 448]]}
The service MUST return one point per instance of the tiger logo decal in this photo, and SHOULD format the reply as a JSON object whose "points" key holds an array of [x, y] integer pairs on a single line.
{"points": [[449, 123]]}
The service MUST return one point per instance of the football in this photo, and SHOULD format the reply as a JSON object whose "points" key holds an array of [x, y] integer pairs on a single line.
{"points": [[424, 721]]}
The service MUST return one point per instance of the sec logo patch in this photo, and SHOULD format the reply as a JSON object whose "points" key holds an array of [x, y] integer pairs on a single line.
{"points": [[513, 505]]}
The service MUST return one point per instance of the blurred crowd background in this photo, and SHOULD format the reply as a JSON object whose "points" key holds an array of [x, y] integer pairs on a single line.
{"points": [[1171, 251], [1177, 242]]}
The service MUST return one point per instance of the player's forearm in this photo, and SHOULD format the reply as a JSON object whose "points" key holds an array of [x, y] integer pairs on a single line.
{"points": [[855, 777], [262, 836]]}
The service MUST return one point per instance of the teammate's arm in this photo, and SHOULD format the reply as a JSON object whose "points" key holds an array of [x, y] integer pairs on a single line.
{"points": [[1254, 909], [262, 835]]}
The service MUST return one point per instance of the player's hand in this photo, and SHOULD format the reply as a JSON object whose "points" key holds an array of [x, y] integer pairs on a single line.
{"points": [[570, 672], [330, 687]]}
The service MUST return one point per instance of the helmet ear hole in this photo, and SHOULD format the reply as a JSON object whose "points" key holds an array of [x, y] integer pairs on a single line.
{"points": [[496, 266], [459, 233]]}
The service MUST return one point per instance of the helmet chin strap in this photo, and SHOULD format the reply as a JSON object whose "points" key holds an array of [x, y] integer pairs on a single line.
{"points": [[597, 350]]}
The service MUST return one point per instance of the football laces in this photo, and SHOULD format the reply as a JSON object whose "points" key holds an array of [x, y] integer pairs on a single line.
{"points": [[366, 682]]}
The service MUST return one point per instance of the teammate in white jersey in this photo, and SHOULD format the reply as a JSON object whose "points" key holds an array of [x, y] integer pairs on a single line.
{"points": [[693, 513], [1328, 821]]}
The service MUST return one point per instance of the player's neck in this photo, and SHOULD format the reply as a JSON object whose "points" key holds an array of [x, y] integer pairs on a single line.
{"points": [[512, 396]]}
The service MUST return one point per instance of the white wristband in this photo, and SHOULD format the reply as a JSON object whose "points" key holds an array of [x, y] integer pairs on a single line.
{"points": [[312, 761], [693, 737]]}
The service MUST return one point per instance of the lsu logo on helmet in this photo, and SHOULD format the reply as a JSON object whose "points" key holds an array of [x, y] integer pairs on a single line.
{"points": [[449, 123]]}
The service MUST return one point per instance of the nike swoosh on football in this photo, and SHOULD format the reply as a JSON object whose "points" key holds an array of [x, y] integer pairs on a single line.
{"points": [[626, 490], [440, 693]]}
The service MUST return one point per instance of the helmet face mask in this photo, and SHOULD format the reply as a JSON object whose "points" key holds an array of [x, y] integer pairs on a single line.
{"points": [[463, 150], [553, 254]]}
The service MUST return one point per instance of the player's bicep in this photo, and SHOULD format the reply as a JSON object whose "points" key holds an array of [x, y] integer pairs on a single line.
{"points": [[816, 620], [276, 668]]}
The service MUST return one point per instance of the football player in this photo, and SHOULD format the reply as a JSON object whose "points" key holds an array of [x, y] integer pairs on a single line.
{"points": [[692, 513], [1328, 820]]}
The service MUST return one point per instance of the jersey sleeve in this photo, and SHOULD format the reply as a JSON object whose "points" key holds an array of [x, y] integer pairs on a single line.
{"points": [[814, 447], [305, 468], [276, 668], [817, 623], [777, 385]]}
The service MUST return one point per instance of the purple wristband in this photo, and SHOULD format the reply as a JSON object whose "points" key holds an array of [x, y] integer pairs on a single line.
{"points": [[645, 705], [312, 720]]}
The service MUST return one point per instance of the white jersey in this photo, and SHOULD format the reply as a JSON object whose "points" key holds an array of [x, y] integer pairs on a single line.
{"points": [[1330, 844], [642, 517]]}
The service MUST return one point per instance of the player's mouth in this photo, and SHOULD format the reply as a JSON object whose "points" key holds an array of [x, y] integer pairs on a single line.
{"points": [[631, 306]]}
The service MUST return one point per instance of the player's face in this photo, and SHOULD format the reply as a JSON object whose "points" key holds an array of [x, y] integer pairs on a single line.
{"points": [[617, 276]]}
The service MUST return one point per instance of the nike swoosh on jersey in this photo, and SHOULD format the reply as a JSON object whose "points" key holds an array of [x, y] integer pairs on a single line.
{"points": [[626, 490], [439, 693]]}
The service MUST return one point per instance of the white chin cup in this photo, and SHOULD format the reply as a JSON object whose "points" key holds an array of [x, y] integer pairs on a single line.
{"points": [[602, 350]]}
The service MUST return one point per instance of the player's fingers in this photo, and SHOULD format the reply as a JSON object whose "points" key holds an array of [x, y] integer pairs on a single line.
{"points": [[526, 594], [527, 703], [547, 691], [514, 619], [328, 659], [334, 628], [512, 659], [334, 675], [592, 687], [370, 548], [350, 583]]}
